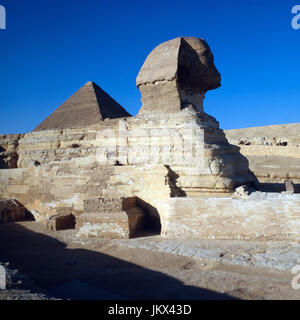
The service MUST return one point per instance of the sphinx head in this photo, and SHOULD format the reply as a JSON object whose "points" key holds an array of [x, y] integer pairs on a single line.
{"points": [[176, 75]]}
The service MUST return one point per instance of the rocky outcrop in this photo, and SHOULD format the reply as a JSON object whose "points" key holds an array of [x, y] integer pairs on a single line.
{"points": [[276, 135], [273, 153]]}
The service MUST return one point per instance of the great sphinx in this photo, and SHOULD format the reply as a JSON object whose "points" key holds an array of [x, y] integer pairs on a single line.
{"points": [[57, 171]]}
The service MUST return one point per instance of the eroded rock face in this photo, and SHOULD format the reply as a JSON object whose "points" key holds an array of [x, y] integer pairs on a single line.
{"points": [[176, 75], [273, 153], [8, 150]]}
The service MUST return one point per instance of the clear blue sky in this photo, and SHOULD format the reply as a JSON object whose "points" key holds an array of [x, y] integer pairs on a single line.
{"points": [[52, 47]]}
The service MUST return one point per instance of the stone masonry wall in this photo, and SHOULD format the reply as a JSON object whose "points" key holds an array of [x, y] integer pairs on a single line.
{"points": [[57, 188], [75, 186], [262, 216]]}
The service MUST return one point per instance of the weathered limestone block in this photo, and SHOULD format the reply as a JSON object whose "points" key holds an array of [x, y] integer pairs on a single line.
{"points": [[262, 216], [243, 191], [289, 186], [105, 225], [112, 218], [103, 205], [123, 224], [61, 221]]}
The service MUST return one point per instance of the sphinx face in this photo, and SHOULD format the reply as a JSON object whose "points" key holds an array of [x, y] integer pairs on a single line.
{"points": [[196, 68]]}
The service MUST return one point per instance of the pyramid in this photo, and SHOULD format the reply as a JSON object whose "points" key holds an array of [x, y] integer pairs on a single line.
{"points": [[89, 105]]}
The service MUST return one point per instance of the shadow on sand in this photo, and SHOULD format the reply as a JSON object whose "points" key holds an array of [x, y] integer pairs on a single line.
{"points": [[84, 274]]}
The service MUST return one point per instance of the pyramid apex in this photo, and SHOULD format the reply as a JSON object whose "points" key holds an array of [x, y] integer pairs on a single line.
{"points": [[89, 83]]}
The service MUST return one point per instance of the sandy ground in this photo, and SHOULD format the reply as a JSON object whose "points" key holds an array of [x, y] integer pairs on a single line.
{"points": [[150, 267]]}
